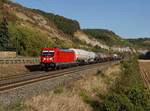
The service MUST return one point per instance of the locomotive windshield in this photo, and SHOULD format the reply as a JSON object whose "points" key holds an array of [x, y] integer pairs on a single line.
{"points": [[48, 53]]}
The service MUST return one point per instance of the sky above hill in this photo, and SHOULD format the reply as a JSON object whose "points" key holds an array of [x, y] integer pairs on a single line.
{"points": [[128, 18]]}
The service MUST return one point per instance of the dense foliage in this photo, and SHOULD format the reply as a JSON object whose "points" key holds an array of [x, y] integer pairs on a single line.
{"points": [[66, 25], [106, 36]]}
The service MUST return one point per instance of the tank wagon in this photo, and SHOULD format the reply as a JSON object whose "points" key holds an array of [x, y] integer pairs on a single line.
{"points": [[83, 56], [57, 58]]}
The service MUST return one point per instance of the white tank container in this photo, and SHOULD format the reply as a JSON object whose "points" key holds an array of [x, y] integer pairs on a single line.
{"points": [[84, 55]]}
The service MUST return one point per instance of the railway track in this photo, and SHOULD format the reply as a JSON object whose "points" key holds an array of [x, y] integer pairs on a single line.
{"points": [[13, 82]]}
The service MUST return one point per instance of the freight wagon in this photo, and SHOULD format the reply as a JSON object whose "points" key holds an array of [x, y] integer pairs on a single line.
{"points": [[83, 56]]}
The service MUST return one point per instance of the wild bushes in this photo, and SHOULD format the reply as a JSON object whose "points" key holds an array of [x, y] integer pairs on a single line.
{"points": [[127, 94], [133, 99]]}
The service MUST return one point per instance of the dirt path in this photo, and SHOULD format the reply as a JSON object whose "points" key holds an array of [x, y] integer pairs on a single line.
{"points": [[145, 71]]}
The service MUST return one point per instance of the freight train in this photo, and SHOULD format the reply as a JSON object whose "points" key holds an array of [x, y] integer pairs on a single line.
{"points": [[58, 58]]}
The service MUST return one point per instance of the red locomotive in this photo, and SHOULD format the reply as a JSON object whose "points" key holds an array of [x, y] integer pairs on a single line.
{"points": [[53, 57]]}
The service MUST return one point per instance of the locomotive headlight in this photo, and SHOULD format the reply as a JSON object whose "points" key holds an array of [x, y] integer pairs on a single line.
{"points": [[44, 58], [50, 58]]}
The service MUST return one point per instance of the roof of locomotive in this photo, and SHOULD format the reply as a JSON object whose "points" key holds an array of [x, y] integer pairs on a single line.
{"points": [[46, 48], [57, 49]]}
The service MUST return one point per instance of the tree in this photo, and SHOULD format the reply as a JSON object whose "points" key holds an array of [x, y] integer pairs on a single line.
{"points": [[5, 43]]}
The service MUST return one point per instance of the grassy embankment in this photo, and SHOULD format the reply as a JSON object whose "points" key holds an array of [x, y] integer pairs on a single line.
{"points": [[120, 88]]}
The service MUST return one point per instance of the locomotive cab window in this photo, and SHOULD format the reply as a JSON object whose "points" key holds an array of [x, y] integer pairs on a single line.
{"points": [[48, 53]]}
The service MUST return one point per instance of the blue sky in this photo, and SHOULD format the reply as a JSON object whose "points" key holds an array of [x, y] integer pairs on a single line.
{"points": [[128, 18]]}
